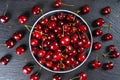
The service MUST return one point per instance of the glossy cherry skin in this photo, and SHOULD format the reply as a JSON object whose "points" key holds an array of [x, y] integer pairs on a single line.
{"points": [[57, 56], [108, 37], [18, 36], [54, 46], [53, 18], [35, 50], [109, 65], [99, 22], [37, 34], [106, 10], [41, 53], [56, 77], [34, 42], [82, 28], [96, 64], [81, 57], [112, 48], [56, 67], [98, 32], [48, 56], [57, 3], [69, 61], [22, 19], [27, 69], [10, 43], [74, 38], [36, 10], [51, 24], [4, 60], [81, 50], [70, 17], [83, 76], [34, 77], [20, 49], [38, 27], [115, 54], [85, 9], [4, 19], [44, 21], [61, 16], [97, 46], [65, 40], [87, 44]]}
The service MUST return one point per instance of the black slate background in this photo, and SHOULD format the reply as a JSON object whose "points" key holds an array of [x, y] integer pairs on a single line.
{"points": [[13, 71]]}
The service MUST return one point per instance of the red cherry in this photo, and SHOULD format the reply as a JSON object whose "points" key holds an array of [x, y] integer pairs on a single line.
{"points": [[81, 50], [41, 61], [98, 32], [5, 60], [115, 54], [34, 42], [85, 9], [35, 50], [58, 3], [61, 16], [108, 36], [51, 25], [38, 27], [27, 69], [56, 77], [48, 55], [109, 65], [56, 67], [34, 77], [70, 17], [4, 19], [20, 49], [44, 21], [83, 76], [82, 28], [65, 40], [41, 53], [18, 36], [112, 48], [81, 57], [49, 64], [99, 22], [106, 10], [74, 38], [97, 45], [53, 18], [54, 46], [10, 43], [96, 64], [57, 56], [36, 10], [69, 61], [22, 19], [37, 34], [87, 44]]}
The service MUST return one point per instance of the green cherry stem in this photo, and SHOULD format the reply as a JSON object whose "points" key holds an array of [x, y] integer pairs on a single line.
{"points": [[74, 78], [27, 27]]}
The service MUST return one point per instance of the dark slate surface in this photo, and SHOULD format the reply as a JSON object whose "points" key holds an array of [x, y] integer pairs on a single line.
{"points": [[17, 7]]}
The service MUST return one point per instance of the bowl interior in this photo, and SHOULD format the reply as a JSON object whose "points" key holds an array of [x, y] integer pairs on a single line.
{"points": [[88, 33]]}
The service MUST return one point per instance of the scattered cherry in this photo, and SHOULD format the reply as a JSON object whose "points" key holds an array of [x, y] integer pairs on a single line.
{"points": [[27, 69], [34, 77], [5, 60], [4, 19], [96, 64], [18, 36], [115, 54], [108, 36], [112, 48], [100, 22], [20, 49], [22, 19], [36, 10], [10, 43], [56, 77], [85, 9], [97, 46], [106, 10], [108, 65], [98, 32]]}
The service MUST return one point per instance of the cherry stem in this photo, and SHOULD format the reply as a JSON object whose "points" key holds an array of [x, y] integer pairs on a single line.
{"points": [[110, 26], [97, 57], [42, 44], [5, 10], [63, 30], [27, 27], [86, 35], [79, 34], [61, 64], [105, 54], [77, 11], [74, 78], [42, 11], [39, 71], [67, 4]]}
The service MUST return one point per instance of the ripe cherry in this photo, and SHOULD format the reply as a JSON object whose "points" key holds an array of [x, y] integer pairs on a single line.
{"points": [[18, 36], [37, 34], [65, 40], [34, 77], [70, 17], [87, 44], [27, 69], [81, 57], [98, 32], [10, 43], [35, 50], [99, 22], [112, 48], [56, 77], [5, 60], [57, 56], [36, 10], [54, 46], [51, 25], [56, 67], [22, 19], [106, 10], [41, 53], [44, 21], [109, 65], [61, 16], [85, 9], [4, 19], [82, 28], [96, 64], [20, 49], [34, 42], [115, 54], [53, 18], [38, 27], [97, 46], [108, 37], [48, 55]]}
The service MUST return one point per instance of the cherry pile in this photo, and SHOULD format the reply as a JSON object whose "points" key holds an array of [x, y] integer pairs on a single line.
{"points": [[59, 41]]}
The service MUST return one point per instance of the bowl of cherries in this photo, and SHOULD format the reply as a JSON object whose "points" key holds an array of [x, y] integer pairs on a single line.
{"points": [[60, 41]]}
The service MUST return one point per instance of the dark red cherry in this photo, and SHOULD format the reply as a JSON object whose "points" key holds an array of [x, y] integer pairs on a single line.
{"points": [[56, 77], [36, 10], [109, 65], [99, 22], [115, 54], [54, 46], [85, 9], [97, 46], [37, 34], [38, 27], [18, 36], [10, 43], [27, 69], [96, 64], [61, 16], [74, 38], [58, 30], [108, 37], [98, 32], [83, 76], [35, 50], [58, 3], [41, 61], [112, 48], [81, 57], [5, 60], [87, 44], [41, 53], [44, 21], [34, 42], [4, 19], [70, 17], [106, 10], [22, 19], [20, 49], [82, 28], [69, 60], [65, 40], [49, 64], [57, 56], [34, 77]]}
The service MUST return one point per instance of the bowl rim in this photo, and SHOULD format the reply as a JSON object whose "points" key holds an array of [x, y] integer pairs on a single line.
{"points": [[54, 11]]}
